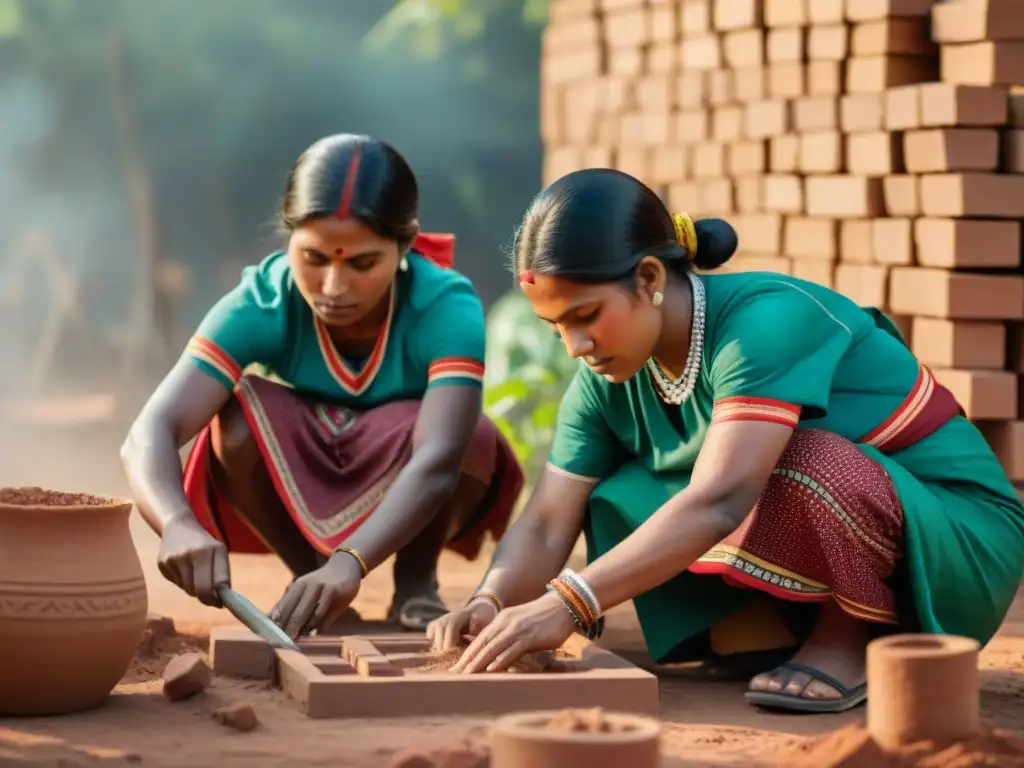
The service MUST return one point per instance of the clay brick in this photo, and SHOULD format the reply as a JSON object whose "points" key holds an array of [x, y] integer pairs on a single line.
{"points": [[828, 43], [664, 22], [1015, 348], [968, 243], [871, 10], [655, 92], [947, 104], [786, 44], [560, 161], [783, 193], [684, 196], [855, 244], [843, 197], [627, 28], [727, 123], [669, 163], [720, 87], [744, 48], [816, 239], [568, 66], [708, 160], [821, 152], [951, 149], [749, 84], [903, 325], [825, 78], [633, 160], [814, 271], [932, 292], [959, 343], [984, 395], [767, 118], [238, 716], [826, 11], [816, 113], [747, 158], [901, 195], [861, 112], [568, 11], [866, 284], [663, 58], [749, 194], [787, 81], [627, 62], [695, 18], [690, 90], [983, 63], [737, 14], [692, 127], [598, 157], [1006, 439], [1013, 151], [760, 232], [903, 36], [756, 262], [701, 53], [961, 21], [784, 153], [903, 107], [892, 241], [185, 676], [866, 74], [874, 153], [1015, 107], [977, 195], [786, 13], [717, 197]]}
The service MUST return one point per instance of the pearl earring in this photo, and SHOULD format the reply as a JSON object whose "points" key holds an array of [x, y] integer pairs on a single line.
{"points": [[404, 264], [657, 298]]}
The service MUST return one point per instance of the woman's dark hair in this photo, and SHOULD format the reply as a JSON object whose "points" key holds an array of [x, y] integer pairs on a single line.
{"points": [[595, 225], [348, 175]]}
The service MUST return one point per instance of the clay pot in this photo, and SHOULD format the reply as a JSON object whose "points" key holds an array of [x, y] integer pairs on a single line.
{"points": [[524, 740], [72, 600], [923, 687]]}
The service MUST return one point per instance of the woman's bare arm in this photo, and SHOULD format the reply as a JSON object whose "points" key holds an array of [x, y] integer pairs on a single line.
{"points": [[185, 402]]}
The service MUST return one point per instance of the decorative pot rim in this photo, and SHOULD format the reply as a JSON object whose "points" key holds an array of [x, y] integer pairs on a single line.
{"points": [[911, 645], [109, 506], [529, 726]]}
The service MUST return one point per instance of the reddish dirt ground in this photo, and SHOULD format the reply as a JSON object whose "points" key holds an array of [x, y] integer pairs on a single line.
{"points": [[705, 724]]}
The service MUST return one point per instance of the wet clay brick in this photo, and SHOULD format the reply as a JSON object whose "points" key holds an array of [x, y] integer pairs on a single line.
{"points": [[951, 149], [984, 395], [185, 676], [814, 271], [968, 21], [861, 112], [983, 63], [783, 193], [787, 44], [976, 195], [1013, 151], [828, 43], [901, 195], [825, 78], [903, 36], [816, 239], [737, 14], [784, 153], [747, 158], [749, 84], [968, 243], [956, 295], [959, 343], [1006, 439], [695, 18], [855, 241], [786, 13], [701, 53], [767, 118], [852, 197], [816, 113], [744, 48], [865, 74], [821, 152], [786, 81], [826, 11], [874, 153], [727, 123], [948, 104], [871, 10], [749, 194], [239, 716], [892, 241], [903, 107], [760, 233], [866, 284]]}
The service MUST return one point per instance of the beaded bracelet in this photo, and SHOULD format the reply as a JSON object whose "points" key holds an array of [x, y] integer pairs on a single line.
{"points": [[492, 598], [591, 631], [363, 567]]}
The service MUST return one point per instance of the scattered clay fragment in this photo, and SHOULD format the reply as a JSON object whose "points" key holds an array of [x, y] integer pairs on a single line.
{"points": [[584, 721], [240, 716], [186, 675], [462, 757], [412, 758]]}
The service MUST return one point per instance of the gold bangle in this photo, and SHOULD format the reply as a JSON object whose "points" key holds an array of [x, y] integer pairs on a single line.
{"points": [[363, 567], [489, 596]]}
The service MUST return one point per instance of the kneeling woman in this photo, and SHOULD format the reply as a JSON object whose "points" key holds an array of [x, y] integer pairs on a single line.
{"points": [[737, 448], [369, 442]]}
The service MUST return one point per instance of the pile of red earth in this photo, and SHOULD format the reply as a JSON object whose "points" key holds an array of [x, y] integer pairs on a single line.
{"points": [[853, 747], [463, 755], [160, 643]]}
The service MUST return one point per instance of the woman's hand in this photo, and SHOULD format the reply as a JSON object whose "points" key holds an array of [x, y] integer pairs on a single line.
{"points": [[193, 559], [447, 631], [543, 624], [319, 598]]}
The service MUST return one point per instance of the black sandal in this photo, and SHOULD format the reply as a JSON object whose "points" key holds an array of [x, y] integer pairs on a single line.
{"points": [[790, 702]]}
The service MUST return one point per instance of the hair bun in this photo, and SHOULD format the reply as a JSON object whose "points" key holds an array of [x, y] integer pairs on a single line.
{"points": [[716, 243]]}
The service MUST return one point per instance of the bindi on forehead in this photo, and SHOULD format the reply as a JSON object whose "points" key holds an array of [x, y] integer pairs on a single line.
{"points": [[339, 251]]}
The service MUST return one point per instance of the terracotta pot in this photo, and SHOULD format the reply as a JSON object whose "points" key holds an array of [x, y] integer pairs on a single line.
{"points": [[923, 687], [523, 740], [72, 600]]}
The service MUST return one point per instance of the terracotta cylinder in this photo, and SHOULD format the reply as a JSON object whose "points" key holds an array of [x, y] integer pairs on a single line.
{"points": [[522, 741], [72, 605], [923, 687]]}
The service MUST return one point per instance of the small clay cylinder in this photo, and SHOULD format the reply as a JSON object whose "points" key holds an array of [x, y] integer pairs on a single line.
{"points": [[523, 740], [923, 687]]}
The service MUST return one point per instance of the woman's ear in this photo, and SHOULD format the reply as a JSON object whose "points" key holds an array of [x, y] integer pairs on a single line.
{"points": [[651, 277]]}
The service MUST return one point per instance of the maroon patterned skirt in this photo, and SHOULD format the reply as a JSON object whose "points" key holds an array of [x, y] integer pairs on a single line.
{"points": [[827, 526], [332, 466]]}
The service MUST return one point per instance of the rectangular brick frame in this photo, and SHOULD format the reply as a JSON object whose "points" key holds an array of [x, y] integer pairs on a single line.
{"points": [[362, 676]]}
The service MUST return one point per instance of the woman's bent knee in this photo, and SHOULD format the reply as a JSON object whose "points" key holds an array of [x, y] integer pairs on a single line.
{"points": [[234, 444]]}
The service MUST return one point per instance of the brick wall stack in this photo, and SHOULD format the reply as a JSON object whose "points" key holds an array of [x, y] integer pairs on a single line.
{"points": [[873, 146]]}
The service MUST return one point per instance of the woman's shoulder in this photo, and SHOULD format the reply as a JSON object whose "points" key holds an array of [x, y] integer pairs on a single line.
{"points": [[266, 285], [428, 284]]}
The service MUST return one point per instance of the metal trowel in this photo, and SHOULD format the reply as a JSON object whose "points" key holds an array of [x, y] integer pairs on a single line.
{"points": [[253, 618]]}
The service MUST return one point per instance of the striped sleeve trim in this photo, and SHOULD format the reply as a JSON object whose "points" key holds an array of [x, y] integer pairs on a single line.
{"points": [[456, 370], [755, 409], [206, 351]]}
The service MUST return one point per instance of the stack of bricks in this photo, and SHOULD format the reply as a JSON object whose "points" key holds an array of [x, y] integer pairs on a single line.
{"points": [[873, 146]]}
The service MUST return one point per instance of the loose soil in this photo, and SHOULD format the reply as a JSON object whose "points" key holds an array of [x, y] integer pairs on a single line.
{"points": [[40, 497], [531, 663], [585, 721]]}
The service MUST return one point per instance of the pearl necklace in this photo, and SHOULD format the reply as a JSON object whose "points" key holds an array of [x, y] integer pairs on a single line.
{"points": [[676, 392]]}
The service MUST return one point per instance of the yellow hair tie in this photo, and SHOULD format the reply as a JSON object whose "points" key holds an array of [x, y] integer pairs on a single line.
{"points": [[686, 233]]}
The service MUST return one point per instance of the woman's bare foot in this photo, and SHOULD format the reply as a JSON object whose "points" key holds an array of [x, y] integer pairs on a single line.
{"points": [[837, 647]]}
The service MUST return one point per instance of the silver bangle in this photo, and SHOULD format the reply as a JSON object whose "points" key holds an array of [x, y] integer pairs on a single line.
{"points": [[583, 589]]}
